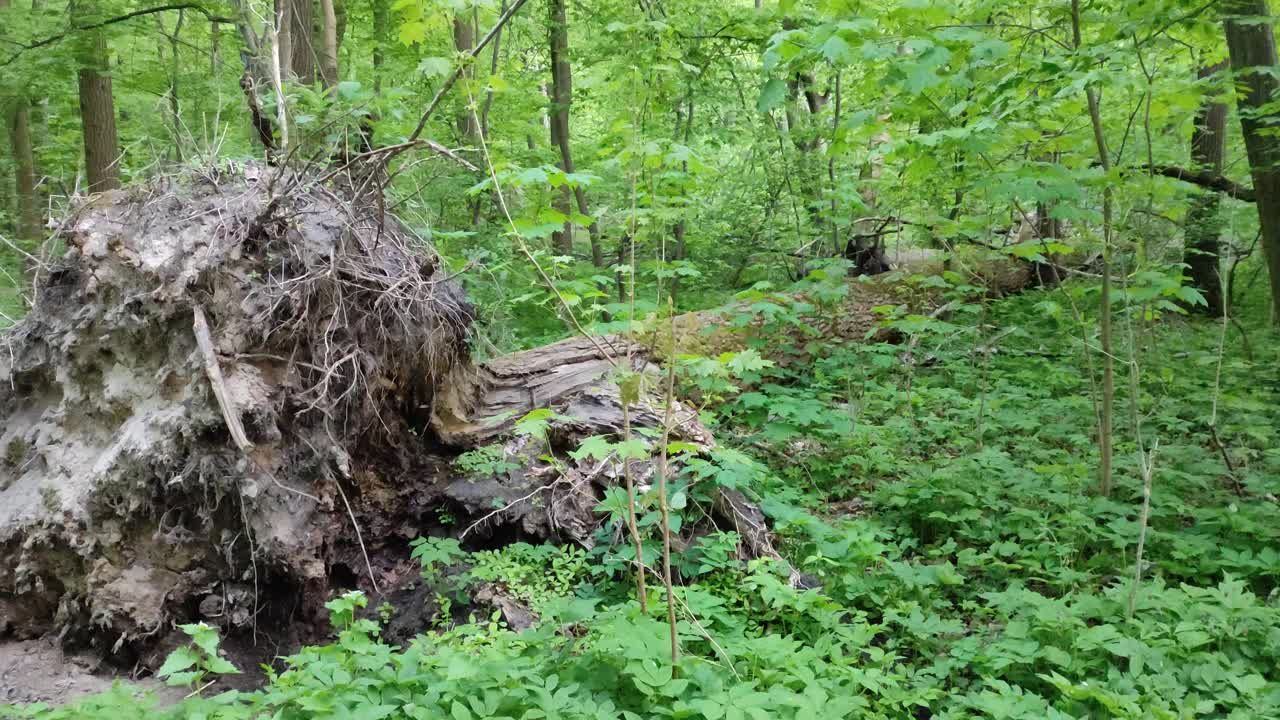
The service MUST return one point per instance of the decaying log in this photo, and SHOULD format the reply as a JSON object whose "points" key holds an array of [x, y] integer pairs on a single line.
{"points": [[478, 403]]}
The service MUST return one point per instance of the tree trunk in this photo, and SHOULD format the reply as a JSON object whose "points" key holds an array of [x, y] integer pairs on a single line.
{"points": [[464, 40], [97, 111], [27, 220], [1208, 146], [175, 105], [302, 56], [284, 37], [215, 37], [1253, 58], [493, 70], [329, 46], [561, 99], [381, 33], [24, 166]]}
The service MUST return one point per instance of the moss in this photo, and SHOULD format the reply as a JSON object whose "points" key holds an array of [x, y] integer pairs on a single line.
{"points": [[15, 453]]}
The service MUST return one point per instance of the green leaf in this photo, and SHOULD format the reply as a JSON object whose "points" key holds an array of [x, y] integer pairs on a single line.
{"points": [[180, 659], [596, 447], [414, 31], [772, 95], [433, 67], [460, 711]]}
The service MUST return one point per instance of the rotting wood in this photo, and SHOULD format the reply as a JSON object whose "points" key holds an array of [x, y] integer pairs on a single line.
{"points": [[213, 370]]}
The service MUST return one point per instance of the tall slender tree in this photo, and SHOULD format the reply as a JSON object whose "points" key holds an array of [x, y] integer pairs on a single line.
{"points": [[1252, 46], [561, 100], [381, 37], [328, 44], [97, 104], [24, 165], [18, 125], [1208, 147], [302, 42]]}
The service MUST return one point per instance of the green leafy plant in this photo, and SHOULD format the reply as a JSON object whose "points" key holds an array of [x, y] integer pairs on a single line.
{"points": [[190, 664]]}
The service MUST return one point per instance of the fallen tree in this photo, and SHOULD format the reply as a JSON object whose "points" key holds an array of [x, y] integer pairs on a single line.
{"points": [[242, 390]]}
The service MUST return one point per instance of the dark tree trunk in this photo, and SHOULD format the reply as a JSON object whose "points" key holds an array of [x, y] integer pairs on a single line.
{"points": [[464, 40], [1253, 59], [97, 112], [302, 59], [24, 165], [561, 99], [1208, 146]]}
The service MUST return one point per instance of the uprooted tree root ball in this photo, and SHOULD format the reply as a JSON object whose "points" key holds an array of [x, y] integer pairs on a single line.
{"points": [[242, 389]]}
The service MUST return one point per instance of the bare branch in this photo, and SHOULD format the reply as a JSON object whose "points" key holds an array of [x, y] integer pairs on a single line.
{"points": [[457, 72], [209, 15]]}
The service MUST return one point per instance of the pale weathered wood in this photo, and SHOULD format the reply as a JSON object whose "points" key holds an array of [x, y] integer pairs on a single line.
{"points": [[475, 404]]}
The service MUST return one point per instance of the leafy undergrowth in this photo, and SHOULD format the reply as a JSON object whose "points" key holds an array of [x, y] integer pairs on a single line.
{"points": [[939, 493]]}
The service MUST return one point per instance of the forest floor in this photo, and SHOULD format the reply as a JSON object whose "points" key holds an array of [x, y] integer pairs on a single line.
{"points": [[34, 671], [938, 494]]}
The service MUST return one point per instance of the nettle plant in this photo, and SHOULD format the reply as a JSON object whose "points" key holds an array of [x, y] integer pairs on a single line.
{"points": [[191, 664]]}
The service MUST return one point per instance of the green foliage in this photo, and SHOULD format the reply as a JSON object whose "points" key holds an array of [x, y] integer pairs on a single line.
{"points": [[434, 554], [189, 664], [485, 461], [932, 495], [533, 574]]}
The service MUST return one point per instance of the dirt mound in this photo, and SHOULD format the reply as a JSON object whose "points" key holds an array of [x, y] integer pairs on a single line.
{"points": [[213, 359]]}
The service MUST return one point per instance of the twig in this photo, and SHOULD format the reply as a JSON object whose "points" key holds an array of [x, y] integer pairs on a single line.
{"points": [[663, 504], [506, 507], [24, 47], [632, 525], [1148, 468], [213, 369], [198, 690], [359, 537]]}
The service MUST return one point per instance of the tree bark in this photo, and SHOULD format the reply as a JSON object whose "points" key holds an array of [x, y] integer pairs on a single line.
{"points": [[561, 100], [284, 37], [27, 222], [175, 105], [1208, 147], [302, 56], [1252, 47], [464, 40], [493, 70], [97, 110], [329, 45]]}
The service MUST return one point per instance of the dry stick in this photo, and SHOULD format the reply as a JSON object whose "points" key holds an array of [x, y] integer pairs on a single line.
{"points": [[1148, 468], [457, 72], [1217, 388], [359, 536], [632, 525], [1104, 319], [663, 470], [213, 370]]}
